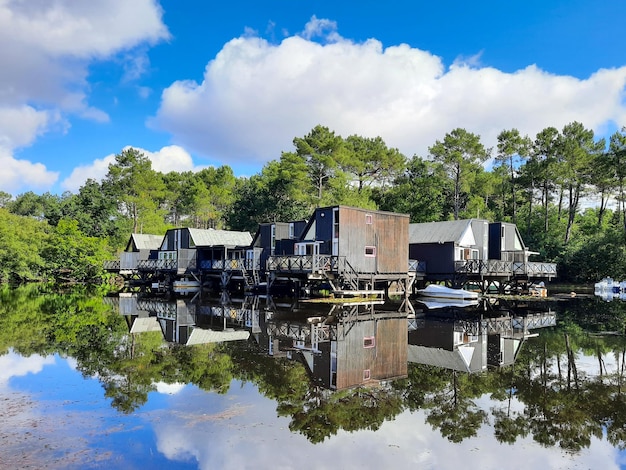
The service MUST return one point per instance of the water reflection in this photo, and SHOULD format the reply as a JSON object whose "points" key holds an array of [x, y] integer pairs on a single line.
{"points": [[341, 345], [548, 375], [472, 342]]}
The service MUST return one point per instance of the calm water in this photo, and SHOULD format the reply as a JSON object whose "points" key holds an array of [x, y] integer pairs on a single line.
{"points": [[220, 382]]}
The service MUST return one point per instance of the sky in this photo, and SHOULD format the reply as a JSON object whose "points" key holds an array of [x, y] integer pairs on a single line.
{"points": [[195, 83]]}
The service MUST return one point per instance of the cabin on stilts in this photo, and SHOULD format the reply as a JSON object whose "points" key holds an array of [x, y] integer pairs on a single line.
{"points": [[476, 253], [348, 251]]}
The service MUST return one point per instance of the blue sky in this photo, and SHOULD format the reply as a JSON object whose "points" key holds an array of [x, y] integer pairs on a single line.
{"points": [[197, 83]]}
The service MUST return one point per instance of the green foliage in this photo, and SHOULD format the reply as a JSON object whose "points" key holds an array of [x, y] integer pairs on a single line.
{"points": [[21, 242], [539, 184], [420, 192], [461, 153], [70, 255]]}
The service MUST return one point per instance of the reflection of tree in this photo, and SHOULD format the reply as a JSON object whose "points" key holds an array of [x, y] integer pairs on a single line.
{"points": [[453, 411], [322, 413], [546, 395]]}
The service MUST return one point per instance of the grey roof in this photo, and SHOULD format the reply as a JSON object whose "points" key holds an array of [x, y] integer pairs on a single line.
{"points": [[202, 336], [146, 241], [212, 237], [459, 359], [145, 325], [438, 232]]}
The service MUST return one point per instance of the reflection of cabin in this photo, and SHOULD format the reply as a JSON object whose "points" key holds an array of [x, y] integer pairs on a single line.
{"points": [[475, 251], [351, 249], [472, 344], [186, 321], [354, 346]]}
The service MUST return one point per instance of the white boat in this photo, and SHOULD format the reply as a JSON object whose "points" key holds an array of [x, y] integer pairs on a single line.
{"points": [[433, 303], [437, 291], [608, 285], [185, 286]]}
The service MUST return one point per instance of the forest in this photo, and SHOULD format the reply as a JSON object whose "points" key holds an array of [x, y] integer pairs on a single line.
{"points": [[565, 190]]}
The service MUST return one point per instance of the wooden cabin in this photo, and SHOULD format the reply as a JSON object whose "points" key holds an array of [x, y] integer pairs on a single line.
{"points": [[140, 247], [192, 247], [273, 238], [442, 244], [506, 244], [350, 248], [198, 254], [475, 251]]}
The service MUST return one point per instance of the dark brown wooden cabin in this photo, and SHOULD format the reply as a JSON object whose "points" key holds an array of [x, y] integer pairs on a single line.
{"points": [[351, 248]]}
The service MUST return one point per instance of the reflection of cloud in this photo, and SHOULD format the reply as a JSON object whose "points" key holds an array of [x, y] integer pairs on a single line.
{"points": [[258, 437], [169, 389], [14, 365], [256, 96]]}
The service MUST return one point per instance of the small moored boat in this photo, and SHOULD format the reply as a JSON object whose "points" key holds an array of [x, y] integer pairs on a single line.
{"points": [[437, 291]]}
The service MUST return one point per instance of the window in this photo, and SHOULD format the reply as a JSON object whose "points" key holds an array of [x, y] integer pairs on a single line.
{"points": [[370, 251], [368, 219], [369, 342], [367, 374]]}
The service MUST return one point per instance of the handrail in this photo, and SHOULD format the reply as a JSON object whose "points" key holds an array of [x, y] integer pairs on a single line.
{"points": [[494, 267], [112, 265]]}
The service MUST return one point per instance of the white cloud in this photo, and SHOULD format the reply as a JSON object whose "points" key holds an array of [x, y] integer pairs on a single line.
{"points": [[97, 170], [18, 174], [257, 96], [46, 47], [169, 158]]}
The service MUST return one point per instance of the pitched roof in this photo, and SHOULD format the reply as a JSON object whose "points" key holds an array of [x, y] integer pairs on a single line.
{"points": [[212, 237], [146, 241], [438, 232], [203, 336], [460, 359]]}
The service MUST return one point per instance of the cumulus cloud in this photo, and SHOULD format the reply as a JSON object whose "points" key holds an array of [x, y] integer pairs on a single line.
{"points": [[17, 174], [169, 158], [47, 47], [256, 96]]}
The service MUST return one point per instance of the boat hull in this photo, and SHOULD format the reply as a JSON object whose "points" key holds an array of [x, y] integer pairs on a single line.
{"points": [[435, 291]]}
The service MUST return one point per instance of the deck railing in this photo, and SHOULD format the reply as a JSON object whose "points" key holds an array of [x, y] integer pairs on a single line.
{"points": [[112, 265], [157, 265], [512, 268], [416, 266], [230, 264], [303, 263]]}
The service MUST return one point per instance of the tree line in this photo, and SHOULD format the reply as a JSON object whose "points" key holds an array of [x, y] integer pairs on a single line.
{"points": [[541, 184]]}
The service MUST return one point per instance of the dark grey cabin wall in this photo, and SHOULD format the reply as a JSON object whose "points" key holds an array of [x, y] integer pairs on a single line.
{"points": [[324, 229], [439, 257]]}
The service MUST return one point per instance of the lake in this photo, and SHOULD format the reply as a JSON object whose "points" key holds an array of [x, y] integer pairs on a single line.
{"points": [[218, 381]]}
